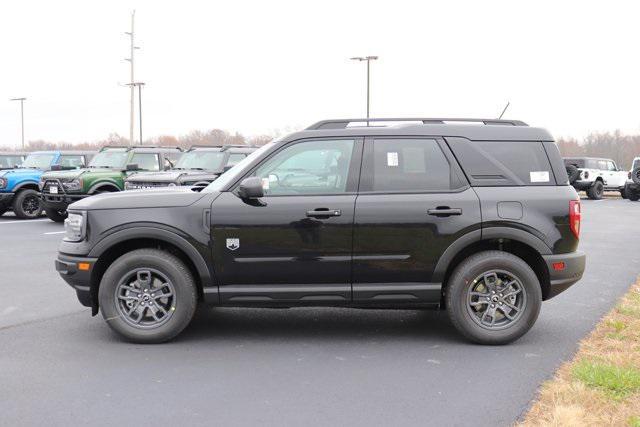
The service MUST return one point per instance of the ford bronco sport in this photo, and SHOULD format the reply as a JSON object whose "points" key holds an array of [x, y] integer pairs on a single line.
{"points": [[197, 166], [19, 187], [105, 174], [477, 219]]}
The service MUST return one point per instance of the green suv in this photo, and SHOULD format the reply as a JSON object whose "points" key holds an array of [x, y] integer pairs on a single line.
{"points": [[105, 174]]}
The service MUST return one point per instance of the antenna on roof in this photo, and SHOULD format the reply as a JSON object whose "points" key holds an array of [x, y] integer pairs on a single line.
{"points": [[505, 109]]}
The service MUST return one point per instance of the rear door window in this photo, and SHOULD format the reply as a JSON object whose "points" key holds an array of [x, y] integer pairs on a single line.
{"points": [[406, 165]]}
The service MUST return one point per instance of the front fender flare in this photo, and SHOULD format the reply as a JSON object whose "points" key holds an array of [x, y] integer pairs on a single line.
{"points": [[144, 232]]}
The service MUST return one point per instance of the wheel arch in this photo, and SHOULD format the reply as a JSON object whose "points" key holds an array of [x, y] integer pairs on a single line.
{"points": [[104, 186], [26, 185], [517, 242], [124, 241]]}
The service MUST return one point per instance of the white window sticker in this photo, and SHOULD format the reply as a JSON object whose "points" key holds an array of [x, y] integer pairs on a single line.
{"points": [[265, 183], [539, 176], [392, 159]]}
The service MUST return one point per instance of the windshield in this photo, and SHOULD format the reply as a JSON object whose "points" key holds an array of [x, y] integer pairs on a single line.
{"points": [[38, 161], [233, 173], [208, 160], [109, 159], [8, 161]]}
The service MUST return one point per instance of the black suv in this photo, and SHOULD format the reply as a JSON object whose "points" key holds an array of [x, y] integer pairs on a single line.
{"points": [[197, 166], [475, 218]]}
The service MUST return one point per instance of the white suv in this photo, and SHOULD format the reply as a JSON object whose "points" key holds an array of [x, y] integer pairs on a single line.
{"points": [[632, 187], [595, 175]]}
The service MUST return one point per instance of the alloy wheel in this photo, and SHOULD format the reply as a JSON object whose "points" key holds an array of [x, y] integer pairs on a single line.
{"points": [[496, 299]]}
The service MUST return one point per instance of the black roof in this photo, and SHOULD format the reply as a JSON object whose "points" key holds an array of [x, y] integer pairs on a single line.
{"points": [[472, 129], [237, 148], [142, 148]]}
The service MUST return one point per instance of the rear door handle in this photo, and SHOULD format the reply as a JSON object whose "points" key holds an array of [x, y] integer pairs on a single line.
{"points": [[444, 211], [324, 213]]}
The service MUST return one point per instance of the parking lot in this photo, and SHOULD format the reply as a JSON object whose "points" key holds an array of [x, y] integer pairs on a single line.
{"points": [[295, 366]]}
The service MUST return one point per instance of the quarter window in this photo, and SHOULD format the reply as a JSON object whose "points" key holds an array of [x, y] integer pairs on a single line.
{"points": [[146, 161], [311, 167], [409, 165]]}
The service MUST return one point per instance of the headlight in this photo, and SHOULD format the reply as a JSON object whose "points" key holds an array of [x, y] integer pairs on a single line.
{"points": [[3, 182], [75, 185], [75, 227]]}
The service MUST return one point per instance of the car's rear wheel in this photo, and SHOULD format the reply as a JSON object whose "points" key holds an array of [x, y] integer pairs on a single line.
{"points": [[635, 176], [26, 204], [596, 191], [634, 196], [147, 296], [493, 297], [56, 215]]}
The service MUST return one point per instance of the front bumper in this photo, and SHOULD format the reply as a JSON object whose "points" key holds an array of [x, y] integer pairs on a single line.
{"points": [[560, 279], [5, 200], [79, 279], [59, 202]]}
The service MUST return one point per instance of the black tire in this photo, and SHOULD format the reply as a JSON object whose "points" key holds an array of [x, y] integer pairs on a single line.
{"points": [[464, 316], [26, 204], [634, 196], [635, 175], [623, 193], [573, 173], [56, 215], [179, 311], [596, 191]]}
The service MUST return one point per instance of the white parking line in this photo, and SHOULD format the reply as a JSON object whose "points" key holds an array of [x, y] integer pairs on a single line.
{"points": [[55, 232], [24, 221]]}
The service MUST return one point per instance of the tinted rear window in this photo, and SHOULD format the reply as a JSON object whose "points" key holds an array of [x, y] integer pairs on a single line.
{"points": [[503, 163]]}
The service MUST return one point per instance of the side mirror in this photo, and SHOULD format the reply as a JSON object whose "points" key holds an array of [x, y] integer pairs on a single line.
{"points": [[251, 188], [132, 167]]}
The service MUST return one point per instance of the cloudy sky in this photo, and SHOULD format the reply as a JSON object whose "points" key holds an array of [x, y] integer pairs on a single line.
{"points": [[269, 66]]}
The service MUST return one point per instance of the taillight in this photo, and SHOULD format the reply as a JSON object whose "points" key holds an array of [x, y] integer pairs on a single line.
{"points": [[575, 216]]}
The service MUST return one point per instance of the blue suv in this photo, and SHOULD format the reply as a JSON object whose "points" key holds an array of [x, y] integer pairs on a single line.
{"points": [[19, 189]]}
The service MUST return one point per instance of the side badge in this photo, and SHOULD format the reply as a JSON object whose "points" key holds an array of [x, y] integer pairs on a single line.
{"points": [[233, 244]]}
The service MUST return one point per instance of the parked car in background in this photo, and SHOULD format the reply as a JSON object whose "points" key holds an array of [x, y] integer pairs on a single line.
{"points": [[105, 174], [11, 160], [475, 219], [632, 186], [197, 166], [595, 175], [19, 187]]}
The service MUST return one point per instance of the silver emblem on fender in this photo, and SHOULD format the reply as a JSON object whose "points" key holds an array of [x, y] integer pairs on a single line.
{"points": [[233, 244]]}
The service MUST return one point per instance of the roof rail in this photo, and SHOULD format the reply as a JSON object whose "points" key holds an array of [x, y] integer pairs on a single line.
{"points": [[131, 147], [344, 123], [223, 147]]}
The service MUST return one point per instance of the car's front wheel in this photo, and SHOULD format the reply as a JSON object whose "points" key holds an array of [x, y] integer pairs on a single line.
{"points": [[148, 296], [56, 215], [26, 204], [493, 297]]}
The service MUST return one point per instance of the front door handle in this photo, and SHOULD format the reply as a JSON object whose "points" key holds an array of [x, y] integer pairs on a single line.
{"points": [[442, 211], [324, 213]]}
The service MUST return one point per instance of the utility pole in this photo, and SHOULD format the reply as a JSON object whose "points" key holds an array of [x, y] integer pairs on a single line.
{"points": [[139, 85], [368, 59], [131, 82], [21, 116]]}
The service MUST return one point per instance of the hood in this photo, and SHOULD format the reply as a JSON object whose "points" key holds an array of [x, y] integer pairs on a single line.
{"points": [[20, 172], [165, 197], [172, 176], [64, 174]]}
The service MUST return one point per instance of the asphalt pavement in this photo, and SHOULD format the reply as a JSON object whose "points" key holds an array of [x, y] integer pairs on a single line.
{"points": [[60, 366]]}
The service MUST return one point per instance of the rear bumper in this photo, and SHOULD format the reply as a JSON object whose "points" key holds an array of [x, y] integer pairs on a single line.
{"points": [[573, 265], [5, 200], [79, 280], [582, 185]]}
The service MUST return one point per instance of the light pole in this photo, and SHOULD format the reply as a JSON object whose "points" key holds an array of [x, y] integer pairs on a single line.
{"points": [[133, 48], [368, 59], [139, 86], [21, 116]]}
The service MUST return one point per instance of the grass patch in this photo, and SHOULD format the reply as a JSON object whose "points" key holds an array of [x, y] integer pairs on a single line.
{"points": [[601, 385], [616, 381]]}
